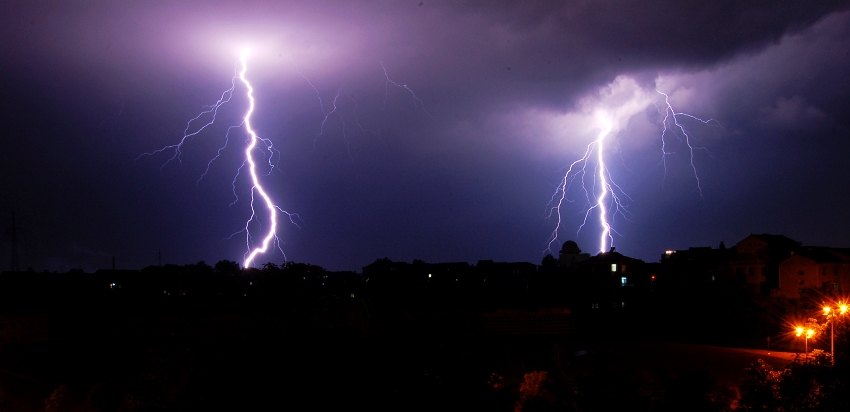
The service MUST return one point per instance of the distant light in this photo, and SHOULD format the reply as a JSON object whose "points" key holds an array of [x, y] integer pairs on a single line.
{"points": [[429, 275], [669, 252]]}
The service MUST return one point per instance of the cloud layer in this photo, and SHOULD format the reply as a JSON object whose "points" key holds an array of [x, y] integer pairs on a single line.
{"points": [[506, 94]]}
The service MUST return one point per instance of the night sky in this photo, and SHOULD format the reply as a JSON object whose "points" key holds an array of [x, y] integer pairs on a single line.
{"points": [[505, 96]]}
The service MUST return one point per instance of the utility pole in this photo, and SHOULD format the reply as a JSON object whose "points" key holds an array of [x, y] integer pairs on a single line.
{"points": [[15, 265]]}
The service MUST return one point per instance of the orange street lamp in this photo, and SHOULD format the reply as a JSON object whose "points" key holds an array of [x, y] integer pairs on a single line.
{"points": [[808, 334]]}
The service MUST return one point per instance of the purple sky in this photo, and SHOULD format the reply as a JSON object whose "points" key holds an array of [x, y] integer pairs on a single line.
{"points": [[509, 92]]}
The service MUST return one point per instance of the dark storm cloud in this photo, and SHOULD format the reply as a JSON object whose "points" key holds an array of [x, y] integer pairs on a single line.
{"points": [[89, 87]]}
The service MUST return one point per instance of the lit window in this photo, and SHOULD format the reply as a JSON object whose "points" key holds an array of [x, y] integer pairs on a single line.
{"points": [[613, 267], [594, 305], [623, 281], [622, 304]]}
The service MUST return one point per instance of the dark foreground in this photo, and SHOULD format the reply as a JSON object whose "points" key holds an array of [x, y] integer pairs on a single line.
{"points": [[246, 362]]}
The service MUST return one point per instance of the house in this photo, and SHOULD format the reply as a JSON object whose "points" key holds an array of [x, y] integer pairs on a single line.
{"points": [[695, 266], [605, 281], [756, 261], [824, 269]]}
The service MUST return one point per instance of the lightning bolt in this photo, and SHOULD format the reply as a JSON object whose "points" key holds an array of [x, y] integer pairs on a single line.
{"points": [[602, 195], [604, 198], [671, 124], [345, 105], [271, 235], [260, 198], [261, 202], [225, 97], [421, 104]]}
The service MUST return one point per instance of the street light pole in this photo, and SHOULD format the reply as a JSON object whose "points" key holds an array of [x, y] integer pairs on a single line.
{"points": [[830, 315], [827, 311], [808, 333]]}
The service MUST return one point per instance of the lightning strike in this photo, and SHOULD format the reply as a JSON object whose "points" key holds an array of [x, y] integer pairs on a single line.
{"points": [[259, 196], [345, 106], [261, 203], [604, 188], [671, 124], [271, 235], [225, 98], [403, 86], [604, 198]]}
